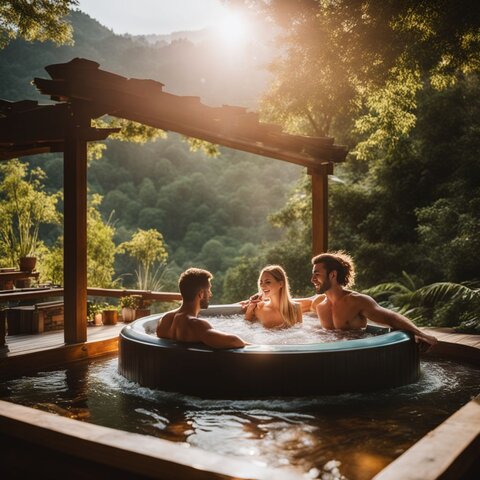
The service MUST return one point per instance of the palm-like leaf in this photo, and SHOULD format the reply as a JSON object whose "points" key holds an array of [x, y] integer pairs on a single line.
{"points": [[444, 291]]}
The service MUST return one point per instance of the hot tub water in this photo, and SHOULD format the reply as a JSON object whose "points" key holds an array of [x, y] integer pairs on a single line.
{"points": [[364, 432]]}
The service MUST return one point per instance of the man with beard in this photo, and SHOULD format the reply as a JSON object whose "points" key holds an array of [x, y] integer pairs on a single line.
{"points": [[338, 307], [183, 324]]}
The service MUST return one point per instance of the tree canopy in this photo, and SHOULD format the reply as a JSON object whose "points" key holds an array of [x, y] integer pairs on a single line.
{"points": [[366, 60], [398, 82], [39, 20]]}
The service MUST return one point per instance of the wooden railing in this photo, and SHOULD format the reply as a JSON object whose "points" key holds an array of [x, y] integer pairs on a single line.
{"points": [[33, 294], [11, 295]]}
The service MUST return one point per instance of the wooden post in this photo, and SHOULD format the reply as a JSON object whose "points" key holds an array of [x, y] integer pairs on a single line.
{"points": [[75, 227], [319, 212], [3, 332]]}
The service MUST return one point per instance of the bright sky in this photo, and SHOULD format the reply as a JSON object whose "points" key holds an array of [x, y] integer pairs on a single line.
{"points": [[140, 17]]}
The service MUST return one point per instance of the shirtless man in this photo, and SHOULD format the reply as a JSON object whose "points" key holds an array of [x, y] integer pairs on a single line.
{"points": [[338, 307], [183, 325]]}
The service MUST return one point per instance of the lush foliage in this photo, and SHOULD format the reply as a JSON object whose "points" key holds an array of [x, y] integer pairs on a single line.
{"points": [[147, 247], [24, 207], [438, 304], [101, 248], [398, 82], [101, 251], [35, 20], [209, 203]]}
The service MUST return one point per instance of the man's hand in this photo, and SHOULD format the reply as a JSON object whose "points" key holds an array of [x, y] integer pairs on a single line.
{"points": [[426, 341]]}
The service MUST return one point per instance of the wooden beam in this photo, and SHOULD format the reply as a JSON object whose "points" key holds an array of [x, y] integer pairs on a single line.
{"points": [[450, 451], [230, 126], [75, 227], [319, 212]]}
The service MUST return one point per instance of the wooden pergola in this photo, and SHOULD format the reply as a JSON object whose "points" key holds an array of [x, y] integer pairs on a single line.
{"points": [[85, 92]]}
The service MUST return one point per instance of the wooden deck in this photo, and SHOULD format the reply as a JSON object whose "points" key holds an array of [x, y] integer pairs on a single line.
{"points": [[24, 344], [28, 353], [458, 346]]}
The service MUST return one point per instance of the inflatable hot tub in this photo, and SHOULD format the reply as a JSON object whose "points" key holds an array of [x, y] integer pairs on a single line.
{"points": [[385, 360]]}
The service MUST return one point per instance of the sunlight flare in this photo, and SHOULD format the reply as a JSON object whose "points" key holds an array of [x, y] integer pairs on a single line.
{"points": [[233, 29]]}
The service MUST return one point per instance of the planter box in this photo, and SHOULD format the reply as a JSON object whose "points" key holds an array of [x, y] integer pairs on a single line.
{"points": [[42, 317], [110, 317]]}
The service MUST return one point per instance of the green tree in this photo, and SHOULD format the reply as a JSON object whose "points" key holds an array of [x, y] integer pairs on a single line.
{"points": [[101, 248], [366, 57], [395, 81], [35, 20], [147, 247], [101, 251], [24, 208]]}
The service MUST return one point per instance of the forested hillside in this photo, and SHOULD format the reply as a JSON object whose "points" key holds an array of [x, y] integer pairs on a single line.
{"points": [[209, 210]]}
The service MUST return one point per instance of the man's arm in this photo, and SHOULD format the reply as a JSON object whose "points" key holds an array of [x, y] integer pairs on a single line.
{"points": [[309, 304], [373, 311], [217, 339]]}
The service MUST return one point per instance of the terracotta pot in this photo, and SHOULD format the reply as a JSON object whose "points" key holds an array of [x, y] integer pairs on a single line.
{"points": [[27, 264], [128, 314], [98, 320], [110, 317]]}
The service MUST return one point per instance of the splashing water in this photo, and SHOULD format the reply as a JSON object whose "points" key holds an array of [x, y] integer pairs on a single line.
{"points": [[309, 331]]}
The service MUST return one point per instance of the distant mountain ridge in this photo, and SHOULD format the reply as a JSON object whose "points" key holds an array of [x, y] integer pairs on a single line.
{"points": [[194, 36], [188, 63]]}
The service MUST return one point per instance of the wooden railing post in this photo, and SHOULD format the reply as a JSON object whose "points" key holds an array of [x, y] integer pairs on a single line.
{"points": [[3, 331], [75, 226]]}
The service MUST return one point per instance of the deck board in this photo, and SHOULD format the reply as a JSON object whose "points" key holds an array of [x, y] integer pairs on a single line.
{"points": [[23, 344]]}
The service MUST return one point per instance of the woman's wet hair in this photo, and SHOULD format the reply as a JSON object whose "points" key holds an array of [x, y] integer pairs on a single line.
{"points": [[339, 261], [193, 280]]}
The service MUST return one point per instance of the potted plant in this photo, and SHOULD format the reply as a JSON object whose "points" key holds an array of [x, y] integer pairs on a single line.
{"points": [[110, 314], [129, 305], [94, 313]]}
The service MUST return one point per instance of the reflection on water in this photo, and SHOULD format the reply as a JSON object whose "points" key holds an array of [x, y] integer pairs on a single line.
{"points": [[351, 435]]}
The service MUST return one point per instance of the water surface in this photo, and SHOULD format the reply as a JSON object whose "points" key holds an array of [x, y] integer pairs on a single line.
{"points": [[350, 435]]}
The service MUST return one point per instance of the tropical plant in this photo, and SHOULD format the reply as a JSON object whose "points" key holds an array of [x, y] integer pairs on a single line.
{"points": [[148, 248], [24, 207], [439, 304]]}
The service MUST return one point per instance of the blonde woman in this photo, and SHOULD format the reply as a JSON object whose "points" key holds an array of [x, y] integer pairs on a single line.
{"points": [[273, 306]]}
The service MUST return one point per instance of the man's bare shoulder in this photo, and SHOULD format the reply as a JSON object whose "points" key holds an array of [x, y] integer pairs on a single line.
{"points": [[165, 323], [199, 323], [360, 299], [169, 316]]}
